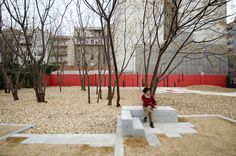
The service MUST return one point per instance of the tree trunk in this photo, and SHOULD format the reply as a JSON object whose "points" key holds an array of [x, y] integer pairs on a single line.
{"points": [[96, 85], [38, 83], [154, 87], [15, 96], [113, 91], [109, 97], [9, 84], [59, 77], [13, 91], [41, 97], [146, 80], [115, 63], [89, 94], [6, 88]]}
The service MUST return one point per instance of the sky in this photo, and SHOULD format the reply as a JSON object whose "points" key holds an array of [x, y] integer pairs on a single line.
{"points": [[71, 17], [231, 9]]}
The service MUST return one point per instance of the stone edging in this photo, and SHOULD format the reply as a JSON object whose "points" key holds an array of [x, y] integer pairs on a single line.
{"points": [[24, 128], [209, 115]]}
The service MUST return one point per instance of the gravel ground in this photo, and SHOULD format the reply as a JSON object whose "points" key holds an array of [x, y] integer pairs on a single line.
{"points": [[69, 112]]}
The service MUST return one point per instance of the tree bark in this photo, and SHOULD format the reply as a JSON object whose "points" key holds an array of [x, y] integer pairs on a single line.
{"points": [[115, 64], [8, 82]]}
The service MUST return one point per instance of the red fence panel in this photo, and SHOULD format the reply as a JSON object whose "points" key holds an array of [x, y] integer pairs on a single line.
{"points": [[134, 80]]}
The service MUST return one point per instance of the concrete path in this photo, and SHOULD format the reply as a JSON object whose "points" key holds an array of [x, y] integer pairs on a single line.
{"points": [[171, 129], [119, 146], [152, 139], [185, 90], [96, 140]]}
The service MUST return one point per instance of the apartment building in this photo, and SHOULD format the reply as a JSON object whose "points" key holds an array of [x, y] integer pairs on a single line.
{"points": [[61, 51], [89, 45]]}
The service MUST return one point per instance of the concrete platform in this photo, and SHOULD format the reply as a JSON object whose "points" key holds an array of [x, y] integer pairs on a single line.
{"points": [[161, 114], [96, 140], [119, 146], [171, 129]]}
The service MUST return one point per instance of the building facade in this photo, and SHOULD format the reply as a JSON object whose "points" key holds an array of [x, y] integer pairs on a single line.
{"points": [[89, 45], [231, 41], [207, 58], [61, 51]]}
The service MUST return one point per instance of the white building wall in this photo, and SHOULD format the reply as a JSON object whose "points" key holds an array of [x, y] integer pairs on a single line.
{"points": [[128, 20]]}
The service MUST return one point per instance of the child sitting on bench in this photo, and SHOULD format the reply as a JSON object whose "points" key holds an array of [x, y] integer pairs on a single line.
{"points": [[148, 105]]}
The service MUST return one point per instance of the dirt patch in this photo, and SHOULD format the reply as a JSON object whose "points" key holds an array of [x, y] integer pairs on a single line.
{"points": [[215, 137], [182, 119], [15, 139], [211, 88], [10, 149], [8, 129]]}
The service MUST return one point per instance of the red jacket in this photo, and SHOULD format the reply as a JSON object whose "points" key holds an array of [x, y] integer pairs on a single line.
{"points": [[148, 101]]}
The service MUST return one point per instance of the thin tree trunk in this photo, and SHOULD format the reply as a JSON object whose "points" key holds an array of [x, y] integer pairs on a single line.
{"points": [[89, 94], [115, 63], [8, 82]]}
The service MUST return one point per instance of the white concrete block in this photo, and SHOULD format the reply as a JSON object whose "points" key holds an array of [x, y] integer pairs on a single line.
{"points": [[172, 134], [137, 124], [126, 119], [138, 132], [126, 115], [119, 147], [127, 132], [152, 139], [138, 129], [165, 120], [106, 140], [162, 114]]}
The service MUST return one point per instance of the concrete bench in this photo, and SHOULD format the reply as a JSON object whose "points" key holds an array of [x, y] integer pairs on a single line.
{"points": [[131, 126], [161, 114], [131, 117]]}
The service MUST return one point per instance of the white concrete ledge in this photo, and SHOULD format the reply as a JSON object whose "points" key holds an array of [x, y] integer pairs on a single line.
{"points": [[209, 115], [23, 128], [161, 114], [96, 140]]}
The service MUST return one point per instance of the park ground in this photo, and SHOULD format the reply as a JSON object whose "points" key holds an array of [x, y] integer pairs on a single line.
{"points": [[69, 112], [215, 136]]}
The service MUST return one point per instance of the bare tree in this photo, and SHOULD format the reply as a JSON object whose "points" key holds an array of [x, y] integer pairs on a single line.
{"points": [[167, 30], [10, 67], [58, 55], [19, 11], [106, 9]]}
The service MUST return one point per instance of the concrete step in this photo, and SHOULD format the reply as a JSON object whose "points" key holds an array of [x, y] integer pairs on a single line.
{"points": [[126, 122], [126, 119], [152, 139], [138, 128], [137, 124]]}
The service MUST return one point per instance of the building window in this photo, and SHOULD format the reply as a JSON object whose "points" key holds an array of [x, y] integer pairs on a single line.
{"points": [[92, 41], [92, 56], [229, 29]]}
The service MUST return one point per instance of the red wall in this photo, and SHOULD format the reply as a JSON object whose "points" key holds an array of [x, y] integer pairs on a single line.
{"points": [[134, 80]]}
